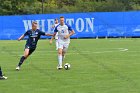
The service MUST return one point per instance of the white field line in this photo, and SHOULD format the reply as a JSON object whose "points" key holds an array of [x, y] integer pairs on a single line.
{"points": [[123, 40], [77, 53]]}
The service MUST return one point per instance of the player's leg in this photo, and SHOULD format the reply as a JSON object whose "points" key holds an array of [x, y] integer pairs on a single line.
{"points": [[0, 72], [1, 75], [56, 43], [26, 54], [65, 48], [63, 53], [60, 47]]}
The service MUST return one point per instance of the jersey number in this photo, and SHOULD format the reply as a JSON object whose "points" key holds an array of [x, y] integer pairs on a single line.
{"points": [[33, 39], [62, 31]]}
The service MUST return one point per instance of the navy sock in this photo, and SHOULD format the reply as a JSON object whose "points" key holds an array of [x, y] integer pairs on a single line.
{"points": [[0, 72], [21, 60]]}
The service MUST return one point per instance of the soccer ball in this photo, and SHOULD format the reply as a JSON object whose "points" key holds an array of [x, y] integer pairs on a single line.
{"points": [[67, 66]]}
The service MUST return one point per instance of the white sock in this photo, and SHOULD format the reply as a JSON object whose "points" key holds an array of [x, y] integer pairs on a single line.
{"points": [[60, 60]]}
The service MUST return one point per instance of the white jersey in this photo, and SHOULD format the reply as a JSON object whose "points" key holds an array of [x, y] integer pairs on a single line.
{"points": [[62, 32], [56, 36], [56, 24]]}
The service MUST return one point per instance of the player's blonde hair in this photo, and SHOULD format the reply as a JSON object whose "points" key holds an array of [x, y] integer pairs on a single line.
{"points": [[34, 22]]}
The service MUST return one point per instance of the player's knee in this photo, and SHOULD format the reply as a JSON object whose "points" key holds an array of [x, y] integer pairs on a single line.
{"points": [[26, 55], [59, 52]]}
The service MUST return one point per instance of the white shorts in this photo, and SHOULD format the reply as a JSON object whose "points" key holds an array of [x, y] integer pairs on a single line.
{"points": [[63, 45]]}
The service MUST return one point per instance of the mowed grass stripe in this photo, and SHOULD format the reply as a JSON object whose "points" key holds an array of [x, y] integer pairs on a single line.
{"points": [[97, 66]]}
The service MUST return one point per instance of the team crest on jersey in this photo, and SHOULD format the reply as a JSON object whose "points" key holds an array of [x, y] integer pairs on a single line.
{"points": [[36, 33]]}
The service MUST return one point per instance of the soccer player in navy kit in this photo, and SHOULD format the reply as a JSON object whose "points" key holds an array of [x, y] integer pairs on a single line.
{"points": [[33, 37]]}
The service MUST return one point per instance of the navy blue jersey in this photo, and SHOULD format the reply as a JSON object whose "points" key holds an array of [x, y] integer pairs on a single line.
{"points": [[33, 37]]}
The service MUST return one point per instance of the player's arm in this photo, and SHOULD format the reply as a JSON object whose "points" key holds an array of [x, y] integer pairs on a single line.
{"points": [[55, 31], [71, 32], [53, 26], [21, 37], [51, 40], [46, 34]]}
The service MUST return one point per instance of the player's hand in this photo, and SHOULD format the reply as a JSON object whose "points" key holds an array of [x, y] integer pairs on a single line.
{"points": [[18, 39], [67, 36], [50, 42]]}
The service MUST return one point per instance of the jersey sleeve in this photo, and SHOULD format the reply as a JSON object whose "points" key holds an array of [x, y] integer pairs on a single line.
{"points": [[41, 33], [69, 28], [26, 33], [55, 29]]}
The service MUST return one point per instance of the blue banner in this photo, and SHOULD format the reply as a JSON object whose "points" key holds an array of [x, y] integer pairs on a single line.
{"points": [[93, 24]]}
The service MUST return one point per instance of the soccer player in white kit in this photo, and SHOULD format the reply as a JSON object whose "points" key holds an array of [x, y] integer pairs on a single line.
{"points": [[64, 33], [56, 36]]}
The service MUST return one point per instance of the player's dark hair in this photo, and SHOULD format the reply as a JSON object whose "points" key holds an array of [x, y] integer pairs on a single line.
{"points": [[55, 19], [61, 16]]}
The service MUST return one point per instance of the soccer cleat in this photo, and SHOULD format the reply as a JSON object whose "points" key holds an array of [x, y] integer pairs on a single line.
{"points": [[18, 68], [3, 77], [59, 67]]}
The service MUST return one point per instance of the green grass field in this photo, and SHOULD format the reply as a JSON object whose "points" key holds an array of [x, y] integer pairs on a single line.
{"points": [[97, 66]]}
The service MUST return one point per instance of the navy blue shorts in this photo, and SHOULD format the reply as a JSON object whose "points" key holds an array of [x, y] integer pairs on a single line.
{"points": [[31, 50]]}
